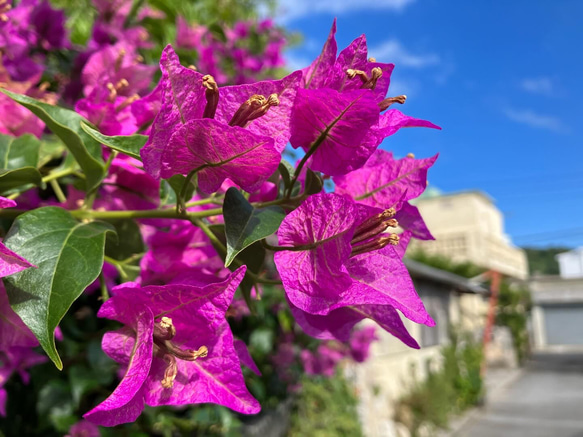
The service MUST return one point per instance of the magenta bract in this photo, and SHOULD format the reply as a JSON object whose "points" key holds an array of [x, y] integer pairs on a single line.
{"points": [[384, 181], [178, 349], [323, 273], [330, 103], [182, 141]]}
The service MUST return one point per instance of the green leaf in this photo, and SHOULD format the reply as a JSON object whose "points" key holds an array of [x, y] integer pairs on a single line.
{"points": [[66, 124], [286, 171], [10, 179], [314, 182], [244, 225], [177, 182], [51, 148], [127, 242], [18, 152], [68, 255], [253, 257], [127, 144]]}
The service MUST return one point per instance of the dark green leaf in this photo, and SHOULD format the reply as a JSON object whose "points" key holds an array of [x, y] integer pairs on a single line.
{"points": [[51, 148], [218, 32], [128, 241], [66, 125], [314, 182], [244, 225], [10, 179], [253, 257], [127, 144], [177, 182], [68, 255], [18, 152], [286, 171]]}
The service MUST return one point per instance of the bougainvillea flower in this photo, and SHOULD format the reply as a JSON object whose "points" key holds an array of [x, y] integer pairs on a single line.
{"points": [[84, 429], [360, 343], [339, 256], [338, 324], [112, 114], [321, 362], [178, 349], [126, 187], [383, 181], [15, 119], [120, 68], [236, 132], [179, 249], [351, 90], [27, 31], [338, 123], [49, 25], [410, 219]]}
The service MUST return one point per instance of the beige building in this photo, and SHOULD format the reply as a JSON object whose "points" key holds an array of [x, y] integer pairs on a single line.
{"points": [[467, 226], [394, 368]]}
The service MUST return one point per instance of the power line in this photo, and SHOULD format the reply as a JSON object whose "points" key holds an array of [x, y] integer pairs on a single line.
{"points": [[562, 233]]}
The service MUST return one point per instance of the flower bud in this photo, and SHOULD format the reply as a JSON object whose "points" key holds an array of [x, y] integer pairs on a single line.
{"points": [[256, 106], [212, 96]]}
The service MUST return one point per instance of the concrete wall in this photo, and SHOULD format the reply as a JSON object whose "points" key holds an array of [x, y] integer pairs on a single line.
{"points": [[468, 227], [393, 368], [549, 291]]}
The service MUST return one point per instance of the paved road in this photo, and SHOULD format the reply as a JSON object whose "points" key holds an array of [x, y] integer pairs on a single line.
{"points": [[545, 401]]}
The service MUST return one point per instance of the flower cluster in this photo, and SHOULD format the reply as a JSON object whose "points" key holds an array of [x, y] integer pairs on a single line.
{"points": [[196, 204], [238, 58]]}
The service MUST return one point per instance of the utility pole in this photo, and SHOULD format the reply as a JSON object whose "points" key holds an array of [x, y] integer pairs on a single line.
{"points": [[496, 278]]}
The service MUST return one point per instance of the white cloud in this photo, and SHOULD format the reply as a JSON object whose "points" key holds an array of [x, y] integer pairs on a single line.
{"points": [[293, 9], [409, 87], [541, 85], [393, 51], [533, 119], [293, 62]]}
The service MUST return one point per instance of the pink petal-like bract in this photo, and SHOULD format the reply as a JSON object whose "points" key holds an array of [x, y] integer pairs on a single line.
{"points": [[181, 140], [197, 314], [336, 124], [382, 181], [220, 151], [321, 274]]}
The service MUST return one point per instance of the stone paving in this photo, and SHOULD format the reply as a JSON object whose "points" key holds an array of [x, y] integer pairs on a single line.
{"points": [[544, 400]]}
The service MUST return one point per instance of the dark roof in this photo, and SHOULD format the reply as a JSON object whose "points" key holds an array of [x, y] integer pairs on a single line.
{"points": [[464, 285]]}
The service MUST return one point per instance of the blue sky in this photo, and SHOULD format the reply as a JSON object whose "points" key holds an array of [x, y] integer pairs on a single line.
{"points": [[504, 79]]}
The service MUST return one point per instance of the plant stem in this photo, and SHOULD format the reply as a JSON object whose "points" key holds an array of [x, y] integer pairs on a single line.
{"points": [[58, 192], [90, 197], [211, 199], [218, 244], [307, 156], [150, 213], [103, 287], [180, 201], [48, 178], [59, 174]]}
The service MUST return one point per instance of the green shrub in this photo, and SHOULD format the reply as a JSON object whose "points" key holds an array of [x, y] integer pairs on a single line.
{"points": [[325, 407], [450, 390]]}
